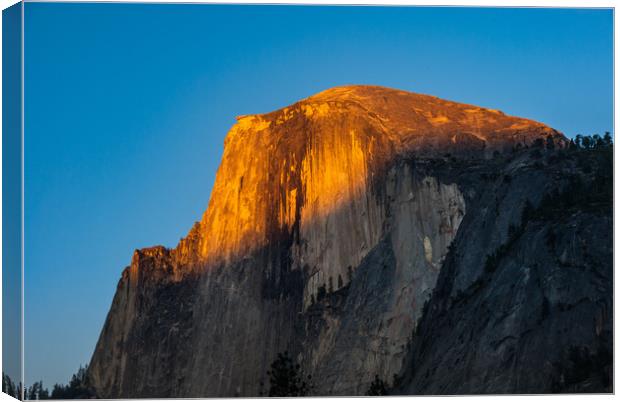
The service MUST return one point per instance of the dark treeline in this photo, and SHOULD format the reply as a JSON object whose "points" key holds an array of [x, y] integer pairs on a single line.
{"points": [[591, 141], [590, 187], [579, 143], [286, 379], [76, 389]]}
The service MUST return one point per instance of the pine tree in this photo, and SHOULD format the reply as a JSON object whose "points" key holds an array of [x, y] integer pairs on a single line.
{"points": [[586, 142], [286, 379], [76, 389], [597, 141], [321, 293], [607, 139], [8, 386], [578, 140], [377, 388]]}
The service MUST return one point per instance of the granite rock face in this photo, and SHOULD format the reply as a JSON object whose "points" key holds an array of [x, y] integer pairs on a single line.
{"points": [[525, 305], [327, 228]]}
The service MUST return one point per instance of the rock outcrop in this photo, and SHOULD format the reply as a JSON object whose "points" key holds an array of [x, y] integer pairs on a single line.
{"points": [[525, 305], [328, 225]]}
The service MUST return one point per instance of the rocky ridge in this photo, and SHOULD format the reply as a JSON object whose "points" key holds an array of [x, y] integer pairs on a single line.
{"points": [[327, 228]]}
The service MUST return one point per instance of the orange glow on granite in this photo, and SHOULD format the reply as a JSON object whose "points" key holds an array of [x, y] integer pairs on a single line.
{"points": [[308, 160]]}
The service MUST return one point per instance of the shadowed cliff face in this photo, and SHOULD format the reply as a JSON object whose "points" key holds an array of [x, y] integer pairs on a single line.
{"points": [[524, 300], [324, 236]]}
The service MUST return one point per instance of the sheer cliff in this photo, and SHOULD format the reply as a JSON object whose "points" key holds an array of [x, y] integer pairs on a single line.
{"points": [[525, 305], [328, 225]]}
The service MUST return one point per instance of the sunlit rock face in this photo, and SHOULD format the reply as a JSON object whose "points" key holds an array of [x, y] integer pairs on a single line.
{"points": [[305, 163], [309, 169], [324, 236]]}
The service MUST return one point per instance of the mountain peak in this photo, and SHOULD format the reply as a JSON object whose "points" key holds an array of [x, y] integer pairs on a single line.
{"points": [[412, 113], [343, 92], [414, 122], [305, 160]]}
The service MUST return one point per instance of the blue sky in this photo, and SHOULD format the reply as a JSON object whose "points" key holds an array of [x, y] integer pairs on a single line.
{"points": [[127, 107]]}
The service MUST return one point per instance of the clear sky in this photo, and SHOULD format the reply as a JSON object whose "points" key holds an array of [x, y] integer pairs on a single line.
{"points": [[127, 107]]}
